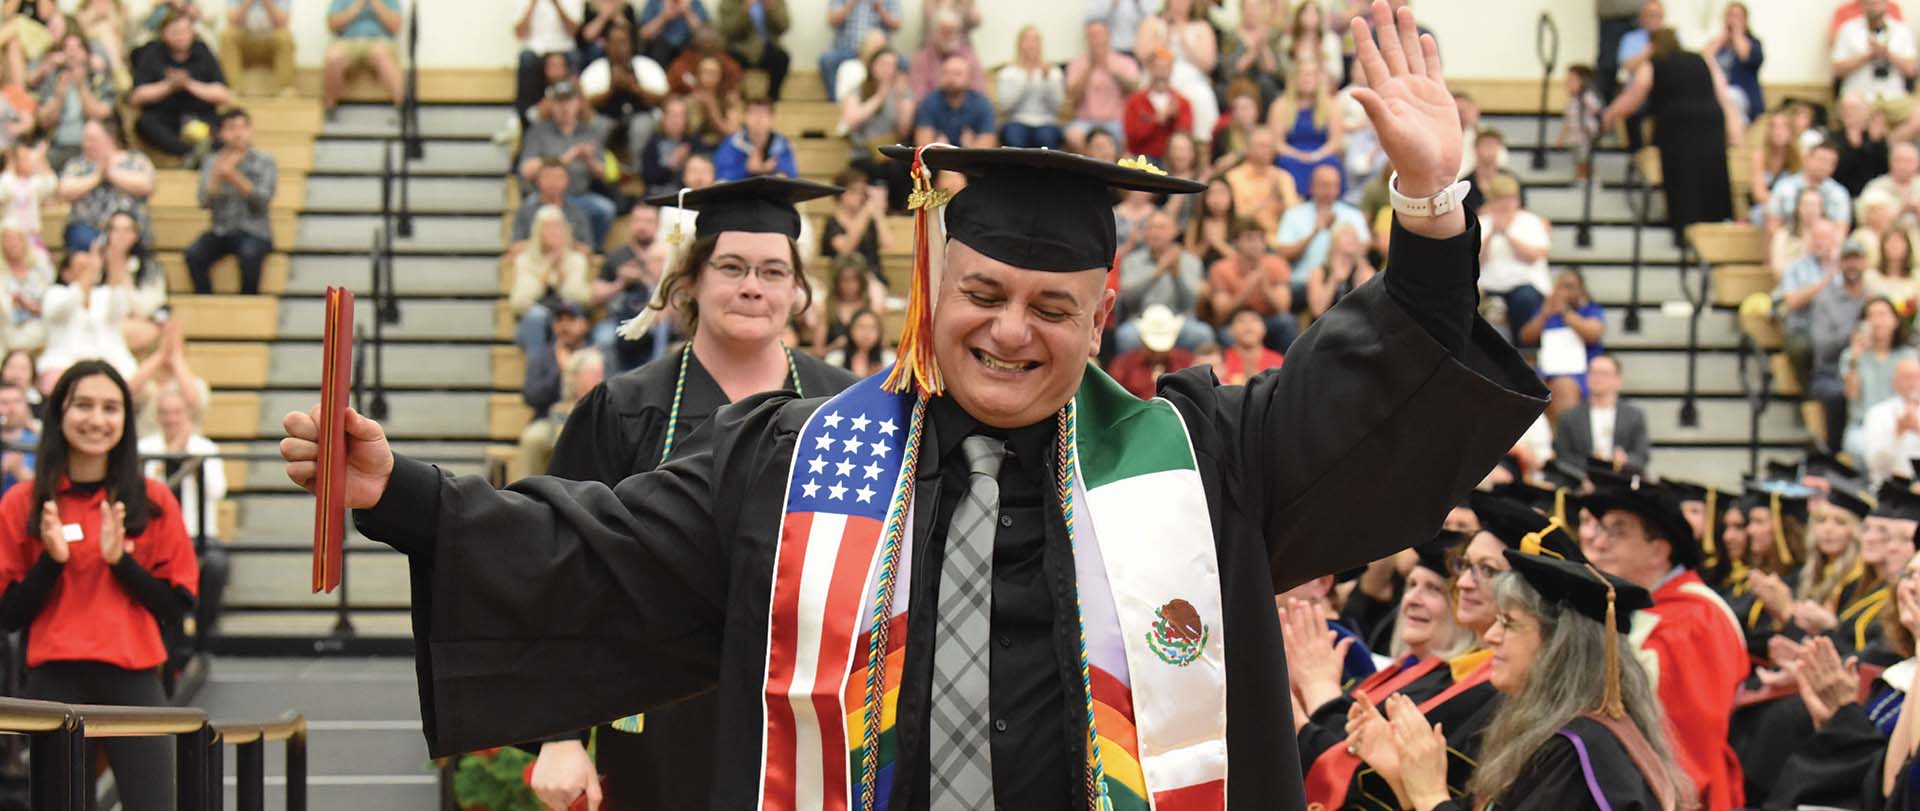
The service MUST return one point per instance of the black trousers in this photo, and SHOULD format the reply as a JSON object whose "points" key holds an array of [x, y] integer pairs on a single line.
{"points": [[159, 125], [142, 767], [774, 60], [211, 247]]}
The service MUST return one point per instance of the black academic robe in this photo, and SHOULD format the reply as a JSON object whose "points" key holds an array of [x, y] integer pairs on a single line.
{"points": [[555, 605], [1558, 778], [616, 431], [1838, 766], [1464, 716]]}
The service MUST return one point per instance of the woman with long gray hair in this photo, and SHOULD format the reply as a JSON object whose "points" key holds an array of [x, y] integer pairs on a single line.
{"points": [[1580, 728]]}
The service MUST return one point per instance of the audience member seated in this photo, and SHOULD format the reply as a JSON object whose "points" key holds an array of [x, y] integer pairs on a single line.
{"points": [[1894, 276], [1903, 166], [1247, 352], [549, 272], [25, 282], [1155, 112], [257, 33], [756, 149], [858, 225], [165, 369], [752, 31], [946, 41], [957, 114], [1346, 268], [669, 26], [74, 89], [1833, 318], [1514, 244], [178, 87], [236, 188], [19, 114], [1130, 220], [1098, 83], [880, 112], [852, 291], [544, 30], [1470, 129], [1031, 93], [1189, 81], [1155, 351], [18, 429], [1603, 427], [626, 90], [865, 351], [1252, 52], [1309, 39], [545, 358], [554, 69], [1803, 282], [364, 34], [1261, 190], [598, 19], [1866, 368], [1776, 156], [683, 71], [1190, 35], [19, 370], [570, 133], [83, 320], [550, 189], [1816, 172], [1487, 145], [1874, 56], [1183, 161], [714, 112], [1789, 242], [1734, 47], [177, 431], [1306, 230], [1890, 433], [852, 21], [1101, 145], [1862, 139], [126, 261], [102, 179], [626, 280], [1873, 218], [1251, 279], [1569, 328], [667, 150], [580, 373], [1230, 136], [1308, 126], [1161, 272], [105, 25], [157, 14], [1210, 224]]}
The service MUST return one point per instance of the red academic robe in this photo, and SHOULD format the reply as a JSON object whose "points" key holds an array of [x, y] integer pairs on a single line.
{"points": [[1691, 644]]}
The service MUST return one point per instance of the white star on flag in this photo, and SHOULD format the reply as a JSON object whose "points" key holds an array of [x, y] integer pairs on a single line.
{"points": [[816, 465], [837, 493], [865, 493], [861, 422], [823, 443], [843, 468], [832, 420], [880, 448], [887, 427], [873, 470], [851, 445], [810, 488]]}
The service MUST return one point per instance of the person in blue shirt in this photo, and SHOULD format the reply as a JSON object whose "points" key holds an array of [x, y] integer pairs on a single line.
{"points": [[756, 149], [666, 26], [955, 113], [364, 32], [17, 429]]}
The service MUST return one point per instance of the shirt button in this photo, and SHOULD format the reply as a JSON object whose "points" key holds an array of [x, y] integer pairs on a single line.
{"points": [[1006, 520], [1000, 726], [1006, 641]]}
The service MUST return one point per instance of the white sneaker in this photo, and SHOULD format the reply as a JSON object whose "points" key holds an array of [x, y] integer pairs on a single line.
{"points": [[508, 132]]}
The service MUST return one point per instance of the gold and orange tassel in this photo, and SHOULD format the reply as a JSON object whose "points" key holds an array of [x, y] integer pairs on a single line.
{"points": [[916, 366]]}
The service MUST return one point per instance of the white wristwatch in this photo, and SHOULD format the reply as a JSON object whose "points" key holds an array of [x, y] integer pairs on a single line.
{"points": [[1447, 200]]}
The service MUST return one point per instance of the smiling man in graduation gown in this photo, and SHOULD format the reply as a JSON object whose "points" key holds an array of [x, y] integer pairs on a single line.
{"points": [[993, 578]]}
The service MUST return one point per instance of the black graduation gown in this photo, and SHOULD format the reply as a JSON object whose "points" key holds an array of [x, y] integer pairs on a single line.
{"points": [[556, 605], [1464, 716], [1839, 765], [1557, 778], [616, 431]]}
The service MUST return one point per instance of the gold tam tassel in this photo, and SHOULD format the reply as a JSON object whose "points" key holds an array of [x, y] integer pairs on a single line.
{"points": [[1780, 547], [1611, 704], [1708, 551], [916, 366], [1530, 543]]}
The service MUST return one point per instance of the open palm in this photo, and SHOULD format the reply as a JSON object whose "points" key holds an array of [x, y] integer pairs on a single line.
{"points": [[1407, 100]]}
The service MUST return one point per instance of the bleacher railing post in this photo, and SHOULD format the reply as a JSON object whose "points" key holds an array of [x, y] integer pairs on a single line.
{"points": [[57, 776], [1689, 407], [1643, 192], [197, 772], [250, 766], [1546, 43], [297, 771]]}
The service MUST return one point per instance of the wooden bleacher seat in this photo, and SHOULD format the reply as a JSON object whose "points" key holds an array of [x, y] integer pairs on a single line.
{"points": [[808, 120], [509, 368], [1727, 243], [282, 114], [174, 228], [233, 415], [180, 188], [503, 320], [820, 158], [503, 464], [507, 415], [226, 519], [1733, 283], [476, 85], [236, 468], [227, 317], [1785, 382], [1648, 159], [226, 274], [230, 364]]}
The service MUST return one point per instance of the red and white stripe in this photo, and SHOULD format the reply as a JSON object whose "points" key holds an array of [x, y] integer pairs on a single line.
{"points": [[821, 572]]}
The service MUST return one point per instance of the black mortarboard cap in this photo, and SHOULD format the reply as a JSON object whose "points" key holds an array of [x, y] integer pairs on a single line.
{"points": [[1850, 501], [1581, 587], [1896, 500], [1039, 209], [1685, 490], [760, 205], [1515, 523], [1437, 555], [1659, 510], [1834, 469], [1604, 475], [1778, 471]]}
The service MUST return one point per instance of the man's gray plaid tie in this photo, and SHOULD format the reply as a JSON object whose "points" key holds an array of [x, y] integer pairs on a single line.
{"points": [[960, 762]]}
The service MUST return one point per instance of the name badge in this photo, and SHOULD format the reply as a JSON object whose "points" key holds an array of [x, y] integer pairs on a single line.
{"points": [[72, 532]]}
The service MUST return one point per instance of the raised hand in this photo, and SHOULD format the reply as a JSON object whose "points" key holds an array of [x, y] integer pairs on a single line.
{"points": [[1423, 754], [113, 532], [1826, 683], [1314, 660], [369, 459], [1407, 100], [52, 533], [1370, 737], [563, 775]]}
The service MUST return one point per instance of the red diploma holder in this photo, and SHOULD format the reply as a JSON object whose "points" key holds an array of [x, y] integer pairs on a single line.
{"points": [[330, 479]]}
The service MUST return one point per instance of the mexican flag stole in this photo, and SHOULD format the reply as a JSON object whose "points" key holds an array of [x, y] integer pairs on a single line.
{"points": [[1149, 593]]}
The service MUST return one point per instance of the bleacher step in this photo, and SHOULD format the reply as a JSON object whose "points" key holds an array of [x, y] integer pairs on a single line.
{"points": [[311, 275], [412, 415], [336, 156], [1563, 205], [285, 581], [1719, 466], [420, 319], [270, 477], [431, 234], [437, 121], [425, 195], [410, 366], [1660, 331]]}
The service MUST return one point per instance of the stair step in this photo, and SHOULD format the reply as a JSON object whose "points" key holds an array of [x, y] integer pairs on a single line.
{"points": [[1611, 243], [356, 157], [331, 752], [1608, 166], [242, 625], [420, 319], [411, 414], [425, 195], [431, 234], [1661, 331], [1721, 467], [275, 581], [1665, 372], [412, 275], [409, 366], [356, 792], [462, 121], [1722, 420], [1563, 204]]}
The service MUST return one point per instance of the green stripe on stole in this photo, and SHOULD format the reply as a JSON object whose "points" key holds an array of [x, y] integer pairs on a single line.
{"points": [[1122, 436]]}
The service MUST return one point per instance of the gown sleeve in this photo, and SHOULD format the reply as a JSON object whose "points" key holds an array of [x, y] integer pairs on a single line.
{"points": [[1830, 767], [1373, 429], [532, 605], [594, 445]]}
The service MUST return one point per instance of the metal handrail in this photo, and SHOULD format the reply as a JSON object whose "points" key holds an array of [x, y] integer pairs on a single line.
{"points": [[21, 715], [1689, 406], [1641, 192], [1546, 43], [250, 759], [113, 721], [1759, 393]]}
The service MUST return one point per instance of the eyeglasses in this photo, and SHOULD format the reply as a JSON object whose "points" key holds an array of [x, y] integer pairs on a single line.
{"points": [[1483, 573], [771, 272]]}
